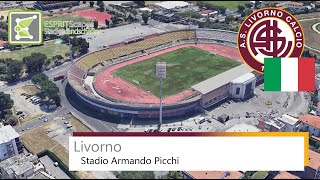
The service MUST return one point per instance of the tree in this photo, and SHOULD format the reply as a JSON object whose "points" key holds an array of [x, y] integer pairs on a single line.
{"points": [[229, 19], [174, 175], [91, 3], [5, 103], [257, 4], [134, 12], [136, 175], [248, 5], [140, 3], [14, 71], [145, 17], [58, 57], [47, 86], [3, 25], [241, 8], [101, 6], [12, 121], [107, 23], [79, 44], [248, 12], [34, 62], [95, 24], [4, 36]]}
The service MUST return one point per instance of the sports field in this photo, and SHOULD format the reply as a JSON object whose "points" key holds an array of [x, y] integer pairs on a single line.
{"points": [[232, 5], [311, 36], [185, 67], [67, 17]]}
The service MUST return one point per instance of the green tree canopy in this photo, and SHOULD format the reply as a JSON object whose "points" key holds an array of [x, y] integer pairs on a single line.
{"points": [[5, 103], [34, 62], [145, 17], [174, 175], [14, 71], [136, 175]]}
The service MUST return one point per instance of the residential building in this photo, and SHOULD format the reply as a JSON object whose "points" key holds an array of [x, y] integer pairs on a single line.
{"points": [[290, 4], [20, 167], [311, 124], [212, 175], [271, 125], [285, 175], [10, 143], [311, 171], [291, 123]]}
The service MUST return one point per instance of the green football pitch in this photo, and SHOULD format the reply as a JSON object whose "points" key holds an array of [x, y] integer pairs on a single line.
{"points": [[185, 67]]}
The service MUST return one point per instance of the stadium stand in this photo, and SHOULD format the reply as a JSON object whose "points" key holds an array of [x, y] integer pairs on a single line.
{"points": [[215, 34], [120, 52]]}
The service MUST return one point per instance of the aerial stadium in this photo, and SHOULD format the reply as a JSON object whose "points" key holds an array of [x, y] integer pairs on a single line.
{"points": [[203, 69]]}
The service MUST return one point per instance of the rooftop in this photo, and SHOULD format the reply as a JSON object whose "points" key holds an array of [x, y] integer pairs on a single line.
{"points": [[172, 4], [221, 79], [285, 175], [243, 128], [273, 122], [244, 78], [215, 174], [288, 119], [18, 164], [7, 134], [314, 162], [311, 120]]}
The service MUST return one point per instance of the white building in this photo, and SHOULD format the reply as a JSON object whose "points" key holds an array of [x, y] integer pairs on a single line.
{"points": [[171, 5], [10, 143], [291, 123], [20, 167], [243, 86], [292, 5]]}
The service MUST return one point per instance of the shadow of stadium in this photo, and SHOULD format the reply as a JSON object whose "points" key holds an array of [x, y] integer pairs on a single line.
{"points": [[83, 107]]}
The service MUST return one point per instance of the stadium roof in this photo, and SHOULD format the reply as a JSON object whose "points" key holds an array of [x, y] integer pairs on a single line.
{"points": [[244, 78], [219, 80], [172, 4], [7, 134]]}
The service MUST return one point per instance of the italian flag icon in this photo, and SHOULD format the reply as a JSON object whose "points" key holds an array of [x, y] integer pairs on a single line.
{"points": [[289, 74]]}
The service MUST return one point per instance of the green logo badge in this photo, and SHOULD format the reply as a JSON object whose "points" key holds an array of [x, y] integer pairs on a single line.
{"points": [[25, 27]]}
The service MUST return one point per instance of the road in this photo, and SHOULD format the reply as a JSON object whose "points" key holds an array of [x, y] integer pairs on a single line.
{"points": [[50, 73], [94, 123]]}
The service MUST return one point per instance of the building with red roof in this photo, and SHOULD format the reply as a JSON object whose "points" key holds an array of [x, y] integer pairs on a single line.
{"points": [[213, 175], [311, 124], [285, 175]]}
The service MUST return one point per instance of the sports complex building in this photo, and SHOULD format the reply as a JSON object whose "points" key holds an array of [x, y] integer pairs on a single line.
{"points": [[92, 78]]}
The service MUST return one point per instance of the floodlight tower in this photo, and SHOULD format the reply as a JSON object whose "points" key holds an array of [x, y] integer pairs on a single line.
{"points": [[161, 73]]}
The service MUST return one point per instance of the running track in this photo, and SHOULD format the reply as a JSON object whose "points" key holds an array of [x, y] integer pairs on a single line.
{"points": [[119, 89]]}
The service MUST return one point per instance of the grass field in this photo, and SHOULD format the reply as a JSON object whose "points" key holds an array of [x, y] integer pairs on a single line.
{"points": [[185, 67], [66, 17], [232, 5], [50, 48], [260, 175], [311, 37]]}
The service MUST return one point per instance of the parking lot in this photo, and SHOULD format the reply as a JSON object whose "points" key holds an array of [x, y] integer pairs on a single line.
{"points": [[54, 171], [25, 109]]}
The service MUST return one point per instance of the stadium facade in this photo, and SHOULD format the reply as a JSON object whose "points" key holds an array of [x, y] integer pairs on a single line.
{"points": [[236, 83]]}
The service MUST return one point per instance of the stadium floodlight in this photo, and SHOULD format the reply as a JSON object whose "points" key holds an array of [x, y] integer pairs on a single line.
{"points": [[161, 73]]}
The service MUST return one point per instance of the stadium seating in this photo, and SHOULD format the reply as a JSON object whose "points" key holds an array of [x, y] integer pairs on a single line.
{"points": [[152, 43], [220, 35]]}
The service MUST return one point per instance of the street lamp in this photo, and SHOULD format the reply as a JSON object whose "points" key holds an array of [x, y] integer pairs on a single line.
{"points": [[161, 73]]}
